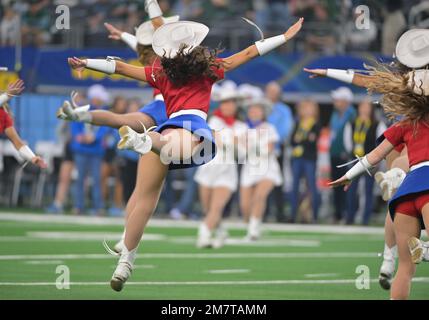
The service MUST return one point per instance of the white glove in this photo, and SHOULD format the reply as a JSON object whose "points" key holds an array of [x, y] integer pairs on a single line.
{"points": [[70, 111], [390, 181]]}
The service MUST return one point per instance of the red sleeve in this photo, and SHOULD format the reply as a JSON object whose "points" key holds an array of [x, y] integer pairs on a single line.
{"points": [[6, 120], [395, 134], [151, 76]]}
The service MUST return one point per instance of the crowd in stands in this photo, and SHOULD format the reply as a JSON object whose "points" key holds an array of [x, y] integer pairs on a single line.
{"points": [[330, 24]]}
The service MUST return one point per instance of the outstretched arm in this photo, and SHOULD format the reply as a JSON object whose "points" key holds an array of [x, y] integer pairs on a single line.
{"points": [[24, 151], [261, 47], [360, 80], [366, 163], [108, 66], [13, 89]]}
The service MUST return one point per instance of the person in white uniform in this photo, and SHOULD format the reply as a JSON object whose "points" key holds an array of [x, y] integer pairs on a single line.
{"points": [[218, 179], [261, 171]]}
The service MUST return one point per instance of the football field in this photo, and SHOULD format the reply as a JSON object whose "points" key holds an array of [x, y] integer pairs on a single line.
{"points": [[40, 252]]}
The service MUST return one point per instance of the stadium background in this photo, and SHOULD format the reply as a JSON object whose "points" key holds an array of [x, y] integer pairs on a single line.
{"points": [[329, 39]]}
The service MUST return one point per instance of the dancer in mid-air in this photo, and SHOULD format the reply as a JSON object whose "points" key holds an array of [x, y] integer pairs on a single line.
{"points": [[405, 96], [152, 114], [6, 125], [397, 161], [184, 72]]}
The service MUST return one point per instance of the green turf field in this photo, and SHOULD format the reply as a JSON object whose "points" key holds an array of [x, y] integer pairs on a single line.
{"points": [[285, 264]]}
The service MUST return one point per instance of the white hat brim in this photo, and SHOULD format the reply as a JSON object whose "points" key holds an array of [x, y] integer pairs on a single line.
{"points": [[163, 43], [145, 31], [404, 52]]}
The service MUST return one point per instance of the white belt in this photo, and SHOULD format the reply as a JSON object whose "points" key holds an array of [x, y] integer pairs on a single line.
{"points": [[419, 165], [159, 97], [194, 112]]}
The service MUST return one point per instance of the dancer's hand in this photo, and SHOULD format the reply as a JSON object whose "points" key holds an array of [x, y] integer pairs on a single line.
{"points": [[38, 161], [343, 181], [292, 31], [15, 88], [115, 33], [314, 73], [78, 65]]}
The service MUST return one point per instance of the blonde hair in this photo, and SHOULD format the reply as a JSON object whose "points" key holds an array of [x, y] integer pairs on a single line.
{"points": [[399, 98], [309, 102]]}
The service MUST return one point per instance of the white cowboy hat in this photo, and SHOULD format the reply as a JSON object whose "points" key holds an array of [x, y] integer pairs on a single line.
{"points": [[412, 48], [225, 94], [420, 85], [266, 104], [168, 38], [342, 93], [248, 91], [145, 31]]}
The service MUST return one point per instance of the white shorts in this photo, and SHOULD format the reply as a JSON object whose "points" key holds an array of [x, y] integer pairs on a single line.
{"points": [[251, 174], [216, 175]]}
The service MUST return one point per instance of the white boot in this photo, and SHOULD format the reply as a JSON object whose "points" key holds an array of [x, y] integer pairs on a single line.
{"points": [[390, 181], [254, 229], [131, 140], [119, 246], [388, 267], [419, 250], [221, 234], [204, 237], [124, 269]]}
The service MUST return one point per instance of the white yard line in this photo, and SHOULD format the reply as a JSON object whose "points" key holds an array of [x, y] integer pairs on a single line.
{"points": [[228, 271], [203, 283], [320, 275], [263, 255], [109, 221]]}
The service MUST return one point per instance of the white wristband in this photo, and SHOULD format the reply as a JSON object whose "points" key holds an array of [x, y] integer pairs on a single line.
{"points": [[3, 98], [26, 153], [267, 45], [130, 40], [341, 75], [103, 65], [153, 9], [359, 168]]}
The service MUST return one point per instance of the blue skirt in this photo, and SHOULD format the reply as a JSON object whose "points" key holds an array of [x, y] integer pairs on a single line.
{"points": [[157, 111], [199, 127], [416, 181]]}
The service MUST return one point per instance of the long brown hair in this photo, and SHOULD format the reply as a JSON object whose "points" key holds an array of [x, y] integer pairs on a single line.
{"points": [[146, 54], [186, 67], [399, 98]]}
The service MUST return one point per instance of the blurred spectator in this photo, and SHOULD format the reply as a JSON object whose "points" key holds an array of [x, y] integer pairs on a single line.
{"points": [[66, 169], [110, 164], [282, 119], [215, 11], [393, 26], [36, 23], [359, 139], [188, 9], [343, 113], [128, 160], [9, 27], [322, 33], [271, 14], [187, 197], [304, 155], [88, 150], [261, 171]]}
